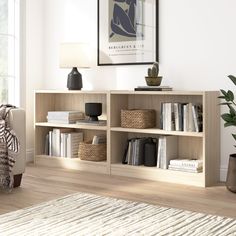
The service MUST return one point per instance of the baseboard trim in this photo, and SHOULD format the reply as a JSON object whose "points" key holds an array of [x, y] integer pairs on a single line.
{"points": [[29, 155]]}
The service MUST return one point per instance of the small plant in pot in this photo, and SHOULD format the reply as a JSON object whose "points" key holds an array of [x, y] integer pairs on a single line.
{"points": [[230, 120], [153, 79]]}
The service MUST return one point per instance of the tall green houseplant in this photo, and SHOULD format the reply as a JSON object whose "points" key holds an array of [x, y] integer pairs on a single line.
{"points": [[230, 120], [230, 117]]}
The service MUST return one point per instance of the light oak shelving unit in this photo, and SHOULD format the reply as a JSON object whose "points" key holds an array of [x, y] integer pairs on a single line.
{"points": [[204, 145], [54, 100]]}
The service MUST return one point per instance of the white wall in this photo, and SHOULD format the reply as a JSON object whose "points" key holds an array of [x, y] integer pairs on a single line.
{"points": [[34, 64], [196, 46]]}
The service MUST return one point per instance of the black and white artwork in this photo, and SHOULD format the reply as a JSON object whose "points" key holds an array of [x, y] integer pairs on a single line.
{"points": [[127, 32]]}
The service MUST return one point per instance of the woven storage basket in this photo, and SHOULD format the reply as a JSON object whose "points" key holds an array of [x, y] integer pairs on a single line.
{"points": [[92, 152], [138, 119]]}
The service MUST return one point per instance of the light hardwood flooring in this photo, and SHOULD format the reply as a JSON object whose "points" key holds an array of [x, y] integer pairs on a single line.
{"points": [[42, 184]]}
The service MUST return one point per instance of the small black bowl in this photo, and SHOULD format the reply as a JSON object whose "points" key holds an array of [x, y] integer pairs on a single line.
{"points": [[93, 110]]}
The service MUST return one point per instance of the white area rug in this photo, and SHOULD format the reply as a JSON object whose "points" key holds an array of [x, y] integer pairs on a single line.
{"points": [[87, 214]]}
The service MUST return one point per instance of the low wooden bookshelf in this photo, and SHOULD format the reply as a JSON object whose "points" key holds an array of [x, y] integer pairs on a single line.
{"points": [[203, 145]]}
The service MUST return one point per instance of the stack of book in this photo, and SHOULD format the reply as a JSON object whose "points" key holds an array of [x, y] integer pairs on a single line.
{"points": [[134, 152], [167, 150], [181, 117], [153, 88], [187, 165], [63, 143], [64, 117]]}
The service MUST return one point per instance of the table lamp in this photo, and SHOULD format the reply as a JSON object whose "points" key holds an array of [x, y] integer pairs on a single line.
{"points": [[73, 55]]}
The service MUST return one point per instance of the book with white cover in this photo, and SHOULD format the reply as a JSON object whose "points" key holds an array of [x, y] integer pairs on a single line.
{"points": [[185, 168], [185, 118], [50, 143], [192, 170], [187, 163], [56, 142], [64, 114], [73, 140], [64, 144], [191, 126], [167, 150], [168, 117]]}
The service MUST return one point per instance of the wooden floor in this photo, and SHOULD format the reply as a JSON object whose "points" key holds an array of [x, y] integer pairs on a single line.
{"points": [[42, 184]]}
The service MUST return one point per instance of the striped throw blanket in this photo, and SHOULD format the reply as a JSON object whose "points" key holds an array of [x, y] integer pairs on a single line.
{"points": [[9, 145]]}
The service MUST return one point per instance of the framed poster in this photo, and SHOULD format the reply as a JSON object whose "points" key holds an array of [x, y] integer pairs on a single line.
{"points": [[127, 32]]}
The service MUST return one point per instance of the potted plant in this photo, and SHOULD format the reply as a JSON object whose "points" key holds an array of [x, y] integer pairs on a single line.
{"points": [[230, 120], [153, 79]]}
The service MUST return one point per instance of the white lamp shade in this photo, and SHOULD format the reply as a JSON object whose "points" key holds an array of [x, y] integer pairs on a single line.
{"points": [[74, 55]]}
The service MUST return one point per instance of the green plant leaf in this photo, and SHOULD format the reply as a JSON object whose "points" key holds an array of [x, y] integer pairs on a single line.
{"points": [[227, 117], [230, 95], [228, 124], [221, 97], [224, 92], [234, 136], [233, 79], [232, 110], [225, 103]]}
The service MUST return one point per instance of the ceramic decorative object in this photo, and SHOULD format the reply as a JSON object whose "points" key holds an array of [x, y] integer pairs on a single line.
{"points": [[231, 174], [93, 110], [153, 79]]}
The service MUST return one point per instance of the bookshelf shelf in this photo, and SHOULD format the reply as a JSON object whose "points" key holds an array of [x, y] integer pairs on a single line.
{"points": [[154, 173], [158, 131], [204, 145], [72, 126], [71, 163]]}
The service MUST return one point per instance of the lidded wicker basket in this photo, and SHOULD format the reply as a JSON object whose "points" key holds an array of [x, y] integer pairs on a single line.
{"points": [[138, 118], [92, 152]]}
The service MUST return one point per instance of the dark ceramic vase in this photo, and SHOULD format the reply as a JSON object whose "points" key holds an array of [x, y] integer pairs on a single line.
{"points": [[93, 110], [231, 174]]}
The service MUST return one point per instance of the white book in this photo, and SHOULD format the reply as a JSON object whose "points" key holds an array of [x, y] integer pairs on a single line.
{"points": [[56, 142], [62, 121], [187, 163], [73, 140], [168, 116], [176, 115], [164, 116], [63, 144], [64, 114], [186, 167], [195, 118], [50, 143], [191, 127], [160, 151], [185, 118], [168, 150], [185, 170]]}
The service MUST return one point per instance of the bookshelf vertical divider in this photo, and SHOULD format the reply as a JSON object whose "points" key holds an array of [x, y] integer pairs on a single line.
{"points": [[204, 145]]}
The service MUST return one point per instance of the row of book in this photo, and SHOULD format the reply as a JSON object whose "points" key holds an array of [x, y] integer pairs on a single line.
{"points": [[63, 143], [181, 117], [64, 117], [165, 154], [134, 153]]}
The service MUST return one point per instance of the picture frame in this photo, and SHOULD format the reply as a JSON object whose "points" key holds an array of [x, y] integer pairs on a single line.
{"points": [[127, 32]]}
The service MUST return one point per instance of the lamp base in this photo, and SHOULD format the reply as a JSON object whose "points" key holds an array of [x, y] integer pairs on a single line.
{"points": [[74, 81]]}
